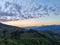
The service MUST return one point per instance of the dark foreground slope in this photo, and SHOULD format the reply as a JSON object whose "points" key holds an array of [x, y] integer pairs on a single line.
{"points": [[11, 35]]}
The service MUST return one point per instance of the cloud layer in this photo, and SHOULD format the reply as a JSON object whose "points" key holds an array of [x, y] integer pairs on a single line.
{"points": [[14, 11]]}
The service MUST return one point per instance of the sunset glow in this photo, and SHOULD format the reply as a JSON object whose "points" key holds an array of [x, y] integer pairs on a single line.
{"points": [[32, 22], [23, 13]]}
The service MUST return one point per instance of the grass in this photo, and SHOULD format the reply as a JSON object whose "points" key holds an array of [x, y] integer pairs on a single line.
{"points": [[22, 41]]}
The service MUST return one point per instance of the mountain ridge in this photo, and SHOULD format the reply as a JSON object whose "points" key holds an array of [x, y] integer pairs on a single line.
{"points": [[6, 27], [55, 28], [11, 32]]}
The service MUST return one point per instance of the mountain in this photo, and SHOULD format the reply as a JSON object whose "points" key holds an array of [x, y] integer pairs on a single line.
{"points": [[12, 35], [9, 27], [54, 28], [11, 30]]}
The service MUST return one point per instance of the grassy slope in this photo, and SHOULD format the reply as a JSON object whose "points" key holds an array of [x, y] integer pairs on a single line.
{"points": [[30, 37]]}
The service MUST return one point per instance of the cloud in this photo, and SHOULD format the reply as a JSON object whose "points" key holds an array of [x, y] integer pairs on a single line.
{"points": [[16, 10]]}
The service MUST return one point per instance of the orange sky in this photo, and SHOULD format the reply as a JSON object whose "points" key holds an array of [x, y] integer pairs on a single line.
{"points": [[32, 22]]}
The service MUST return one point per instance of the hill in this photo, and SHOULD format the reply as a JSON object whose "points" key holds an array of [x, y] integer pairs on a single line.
{"points": [[54, 28], [11, 35], [9, 27]]}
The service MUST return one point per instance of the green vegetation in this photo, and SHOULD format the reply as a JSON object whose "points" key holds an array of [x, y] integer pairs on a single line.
{"points": [[10, 35], [30, 37], [25, 42]]}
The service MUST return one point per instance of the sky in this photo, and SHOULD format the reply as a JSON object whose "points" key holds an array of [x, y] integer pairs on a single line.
{"points": [[35, 7]]}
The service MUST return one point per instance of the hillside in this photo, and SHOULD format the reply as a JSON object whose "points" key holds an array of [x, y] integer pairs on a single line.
{"points": [[11, 35], [54, 28]]}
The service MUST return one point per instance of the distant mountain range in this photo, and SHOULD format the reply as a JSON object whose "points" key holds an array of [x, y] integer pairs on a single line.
{"points": [[44, 33], [54, 28]]}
